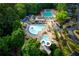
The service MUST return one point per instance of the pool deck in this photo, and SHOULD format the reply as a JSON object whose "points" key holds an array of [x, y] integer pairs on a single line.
{"points": [[51, 33], [49, 30]]}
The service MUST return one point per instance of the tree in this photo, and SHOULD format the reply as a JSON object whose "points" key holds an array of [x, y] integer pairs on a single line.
{"points": [[34, 8], [61, 7], [55, 51], [17, 41], [7, 18], [53, 47], [61, 16], [4, 49], [31, 47], [58, 52], [21, 9], [11, 35], [16, 25], [11, 45]]}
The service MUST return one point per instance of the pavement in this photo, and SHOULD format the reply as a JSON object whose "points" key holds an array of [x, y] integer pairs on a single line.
{"points": [[72, 35], [75, 54]]}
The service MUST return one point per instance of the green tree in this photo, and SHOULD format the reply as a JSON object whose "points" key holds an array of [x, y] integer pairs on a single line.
{"points": [[4, 49], [34, 8], [58, 52], [21, 9], [61, 7], [53, 47], [61, 16], [16, 24], [11, 45], [17, 40], [31, 47], [11, 35], [7, 19]]}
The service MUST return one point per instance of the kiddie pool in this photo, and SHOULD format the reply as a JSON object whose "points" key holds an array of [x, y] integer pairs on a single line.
{"points": [[45, 40]]}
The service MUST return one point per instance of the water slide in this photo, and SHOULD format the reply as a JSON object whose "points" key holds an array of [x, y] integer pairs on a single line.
{"points": [[45, 49]]}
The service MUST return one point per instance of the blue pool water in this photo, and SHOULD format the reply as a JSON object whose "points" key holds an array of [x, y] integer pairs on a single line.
{"points": [[47, 13], [45, 37], [34, 29]]}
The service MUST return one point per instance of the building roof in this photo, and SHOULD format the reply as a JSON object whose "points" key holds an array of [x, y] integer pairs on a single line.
{"points": [[39, 18], [25, 19]]}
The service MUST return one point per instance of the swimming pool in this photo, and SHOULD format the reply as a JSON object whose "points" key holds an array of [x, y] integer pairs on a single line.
{"points": [[34, 29], [47, 13], [45, 40]]}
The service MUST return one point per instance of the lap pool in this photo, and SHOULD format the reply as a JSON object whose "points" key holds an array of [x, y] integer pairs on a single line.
{"points": [[34, 29]]}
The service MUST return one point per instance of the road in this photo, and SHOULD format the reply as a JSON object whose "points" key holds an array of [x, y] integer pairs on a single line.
{"points": [[72, 35]]}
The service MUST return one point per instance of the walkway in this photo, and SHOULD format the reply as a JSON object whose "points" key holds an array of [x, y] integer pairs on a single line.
{"points": [[51, 32]]}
